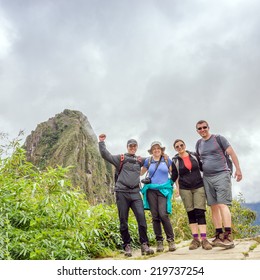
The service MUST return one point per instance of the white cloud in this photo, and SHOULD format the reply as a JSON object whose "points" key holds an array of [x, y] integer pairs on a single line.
{"points": [[5, 43], [143, 69]]}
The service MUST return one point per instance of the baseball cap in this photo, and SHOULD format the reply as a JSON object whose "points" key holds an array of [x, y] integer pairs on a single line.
{"points": [[131, 142]]}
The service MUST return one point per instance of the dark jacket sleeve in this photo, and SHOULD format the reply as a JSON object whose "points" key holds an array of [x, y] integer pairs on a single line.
{"points": [[175, 174], [113, 159]]}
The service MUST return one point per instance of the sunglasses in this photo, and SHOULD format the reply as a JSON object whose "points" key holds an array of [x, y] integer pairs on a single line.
{"points": [[202, 127], [179, 146]]}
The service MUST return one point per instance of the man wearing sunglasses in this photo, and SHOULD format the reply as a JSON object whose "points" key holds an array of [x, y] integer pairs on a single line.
{"points": [[217, 181]]}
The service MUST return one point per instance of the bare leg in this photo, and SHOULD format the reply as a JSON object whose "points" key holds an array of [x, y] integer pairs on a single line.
{"points": [[216, 216], [194, 228], [225, 214]]}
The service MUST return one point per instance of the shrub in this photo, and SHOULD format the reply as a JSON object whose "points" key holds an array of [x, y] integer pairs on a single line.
{"points": [[43, 218]]}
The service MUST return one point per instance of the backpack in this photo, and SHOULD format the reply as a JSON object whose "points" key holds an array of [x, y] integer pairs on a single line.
{"points": [[122, 158], [227, 157]]}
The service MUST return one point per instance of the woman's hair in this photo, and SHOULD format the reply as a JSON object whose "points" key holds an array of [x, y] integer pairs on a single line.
{"points": [[162, 149], [178, 140]]}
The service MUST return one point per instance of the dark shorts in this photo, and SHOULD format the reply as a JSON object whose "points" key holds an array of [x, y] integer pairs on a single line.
{"points": [[218, 189], [195, 198]]}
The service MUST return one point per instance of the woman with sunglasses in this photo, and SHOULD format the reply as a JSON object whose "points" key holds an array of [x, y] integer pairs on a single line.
{"points": [[186, 173]]}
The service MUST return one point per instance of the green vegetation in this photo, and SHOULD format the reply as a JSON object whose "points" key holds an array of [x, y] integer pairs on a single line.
{"points": [[43, 218]]}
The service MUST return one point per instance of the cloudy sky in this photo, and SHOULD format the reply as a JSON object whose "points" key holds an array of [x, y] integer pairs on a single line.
{"points": [[143, 69]]}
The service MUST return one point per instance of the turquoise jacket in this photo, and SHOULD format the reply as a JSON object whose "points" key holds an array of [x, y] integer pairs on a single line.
{"points": [[166, 189]]}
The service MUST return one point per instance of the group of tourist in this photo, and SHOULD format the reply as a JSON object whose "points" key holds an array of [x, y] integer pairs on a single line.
{"points": [[199, 177]]}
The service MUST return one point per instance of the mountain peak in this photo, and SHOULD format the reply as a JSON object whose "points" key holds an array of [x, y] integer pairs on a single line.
{"points": [[67, 139]]}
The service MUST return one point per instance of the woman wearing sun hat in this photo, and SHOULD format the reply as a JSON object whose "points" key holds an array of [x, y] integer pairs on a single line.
{"points": [[157, 194]]}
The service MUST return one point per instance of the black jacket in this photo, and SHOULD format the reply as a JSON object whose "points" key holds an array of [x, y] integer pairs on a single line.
{"points": [[188, 179]]}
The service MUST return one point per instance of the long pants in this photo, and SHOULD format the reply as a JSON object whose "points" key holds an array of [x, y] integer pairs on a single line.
{"points": [[157, 202], [126, 201]]}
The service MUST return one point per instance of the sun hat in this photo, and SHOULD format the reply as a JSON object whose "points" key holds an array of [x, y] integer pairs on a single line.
{"points": [[156, 143]]}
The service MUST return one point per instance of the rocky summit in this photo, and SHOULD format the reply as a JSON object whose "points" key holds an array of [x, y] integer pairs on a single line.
{"points": [[67, 139]]}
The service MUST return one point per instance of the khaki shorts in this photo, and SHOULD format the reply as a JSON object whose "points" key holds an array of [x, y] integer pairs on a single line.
{"points": [[195, 198], [218, 188]]}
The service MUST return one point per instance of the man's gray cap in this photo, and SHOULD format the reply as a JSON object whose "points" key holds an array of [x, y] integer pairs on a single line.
{"points": [[131, 142]]}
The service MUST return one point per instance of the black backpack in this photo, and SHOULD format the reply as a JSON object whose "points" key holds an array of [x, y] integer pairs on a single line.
{"points": [[122, 161], [227, 157]]}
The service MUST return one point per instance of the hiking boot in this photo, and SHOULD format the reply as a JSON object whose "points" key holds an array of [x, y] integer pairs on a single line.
{"points": [[206, 245], [228, 241], [218, 241], [128, 250], [160, 247], [146, 250], [223, 241], [172, 246], [195, 244]]}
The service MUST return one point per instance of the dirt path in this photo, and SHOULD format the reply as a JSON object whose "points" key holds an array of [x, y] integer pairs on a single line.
{"points": [[245, 249]]}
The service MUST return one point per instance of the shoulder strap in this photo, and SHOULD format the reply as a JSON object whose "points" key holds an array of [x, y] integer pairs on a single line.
{"points": [[220, 143], [122, 157], [194, 156], [226, 155], [167, 162], [218, 140], [158, 163], [149, 163], [139, 159], [176, 162]]}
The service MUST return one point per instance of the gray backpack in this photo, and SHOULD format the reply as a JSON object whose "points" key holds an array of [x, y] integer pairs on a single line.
{"points": [[227, 157]]}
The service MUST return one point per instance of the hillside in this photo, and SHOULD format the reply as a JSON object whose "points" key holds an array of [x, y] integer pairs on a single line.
{"points": [[67, 139], [255, 207]]}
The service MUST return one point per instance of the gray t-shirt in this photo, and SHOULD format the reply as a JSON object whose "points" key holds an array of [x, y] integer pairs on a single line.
{"points": [[211, 155]]}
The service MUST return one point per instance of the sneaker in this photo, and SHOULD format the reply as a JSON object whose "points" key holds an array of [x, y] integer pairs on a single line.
{"points": [[228, 241], [146, 250], [128, 250], [195, 244], [160, 247], [206, 245], [172, 246]]}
